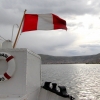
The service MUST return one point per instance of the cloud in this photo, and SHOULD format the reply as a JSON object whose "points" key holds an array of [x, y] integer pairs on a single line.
{"points": [[11, 12], [82, 18], [9, 17], [46, 41], [90, 45], [91, 48]]}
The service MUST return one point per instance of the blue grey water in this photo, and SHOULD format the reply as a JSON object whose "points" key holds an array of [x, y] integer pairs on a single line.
{"points": [[81, 80]]}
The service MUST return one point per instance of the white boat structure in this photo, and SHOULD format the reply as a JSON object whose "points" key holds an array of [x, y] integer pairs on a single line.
{"points": [[20, 77]]}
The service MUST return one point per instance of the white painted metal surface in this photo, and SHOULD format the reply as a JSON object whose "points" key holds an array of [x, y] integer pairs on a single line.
{"points": [[7, 44], [25, 83]]}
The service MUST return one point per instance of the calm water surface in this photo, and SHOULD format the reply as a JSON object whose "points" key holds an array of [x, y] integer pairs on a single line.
{"points": [[81, 80]]}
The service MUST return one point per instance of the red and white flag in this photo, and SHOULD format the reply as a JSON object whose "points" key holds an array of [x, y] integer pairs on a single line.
{"points": [[42, 22]]}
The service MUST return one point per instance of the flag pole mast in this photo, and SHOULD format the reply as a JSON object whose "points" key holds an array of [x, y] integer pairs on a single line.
{"points": [[19, 30]]}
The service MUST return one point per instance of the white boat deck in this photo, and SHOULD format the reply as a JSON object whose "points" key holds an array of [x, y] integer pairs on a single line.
{"points": [[25, 82]]}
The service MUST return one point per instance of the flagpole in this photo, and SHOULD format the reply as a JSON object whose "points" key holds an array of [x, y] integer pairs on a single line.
{"points": [[19, 30]]}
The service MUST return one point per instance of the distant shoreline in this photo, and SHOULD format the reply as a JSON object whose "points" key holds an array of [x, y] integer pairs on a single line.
{"points": [[89, 59]]}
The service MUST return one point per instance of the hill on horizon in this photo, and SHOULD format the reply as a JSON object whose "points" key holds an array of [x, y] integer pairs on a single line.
{"points": [[88, 59]]}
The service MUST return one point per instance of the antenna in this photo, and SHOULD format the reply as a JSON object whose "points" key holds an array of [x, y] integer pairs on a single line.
{"points": [[2, 37], [13, 30]]}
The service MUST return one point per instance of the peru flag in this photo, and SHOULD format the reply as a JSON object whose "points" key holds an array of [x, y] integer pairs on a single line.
{"points": [[42, 22]]}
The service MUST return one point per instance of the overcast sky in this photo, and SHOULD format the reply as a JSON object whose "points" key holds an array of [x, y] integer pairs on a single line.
{"points": [[83, 23]]}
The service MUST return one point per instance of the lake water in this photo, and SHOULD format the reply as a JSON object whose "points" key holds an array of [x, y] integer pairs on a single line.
{"points": [[81, 80]]}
